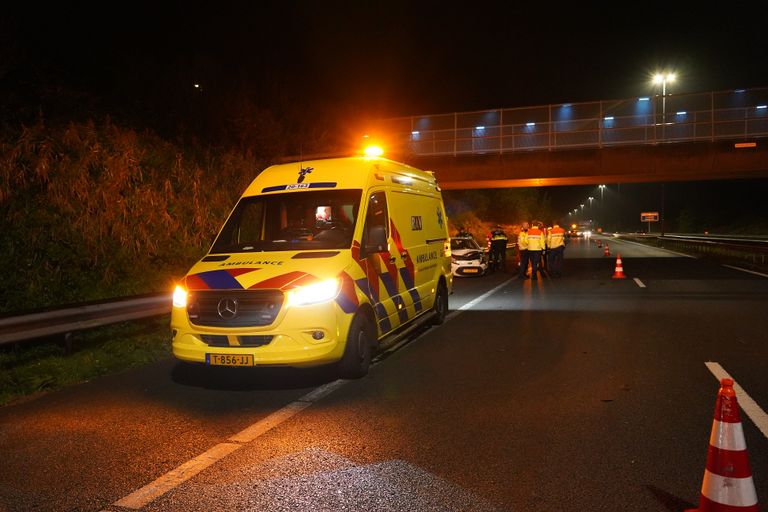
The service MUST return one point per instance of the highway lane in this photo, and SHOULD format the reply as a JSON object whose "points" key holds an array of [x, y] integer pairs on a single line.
{"points": [[582, 392]]}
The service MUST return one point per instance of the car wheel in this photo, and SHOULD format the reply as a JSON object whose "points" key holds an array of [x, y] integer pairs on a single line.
{"points": [[441, 304], [359, 348]]}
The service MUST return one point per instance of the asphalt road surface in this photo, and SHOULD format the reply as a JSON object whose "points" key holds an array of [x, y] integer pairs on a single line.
{"points": [[579, 393]]}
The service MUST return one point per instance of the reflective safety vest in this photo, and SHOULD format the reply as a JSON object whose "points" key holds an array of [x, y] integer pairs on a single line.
{"points": [[556, 237], [536, 239], [522, 240], [498, 235]]}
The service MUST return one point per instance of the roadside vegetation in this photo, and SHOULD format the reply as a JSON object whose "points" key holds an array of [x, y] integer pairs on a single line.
{"points": [[41, 366], [92, 211]]}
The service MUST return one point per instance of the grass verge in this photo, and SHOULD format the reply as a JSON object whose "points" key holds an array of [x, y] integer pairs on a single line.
{"points": [[41, 366]]}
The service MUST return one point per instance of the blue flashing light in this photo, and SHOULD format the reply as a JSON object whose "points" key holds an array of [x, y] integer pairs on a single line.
{"points": [[739, 90], [644, 98], [478, 128], [682, 113], [565, 105], [530, 124], [761, 107], [609, 118], [415, 132]]}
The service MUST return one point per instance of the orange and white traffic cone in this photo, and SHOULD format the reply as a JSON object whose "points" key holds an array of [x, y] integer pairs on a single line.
{"points": [[607, 251], [619, 272], [727, 485]]}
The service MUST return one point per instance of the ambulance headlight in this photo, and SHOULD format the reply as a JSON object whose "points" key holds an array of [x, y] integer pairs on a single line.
{"points": [[179, 297], [313, 293]]}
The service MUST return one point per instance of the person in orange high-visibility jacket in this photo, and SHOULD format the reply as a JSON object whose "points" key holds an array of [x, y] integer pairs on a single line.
{"points": [[536, 242], [556, 246]]}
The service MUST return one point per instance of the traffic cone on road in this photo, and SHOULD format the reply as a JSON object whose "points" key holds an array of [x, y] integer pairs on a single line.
{"points": [[619, 272], [727, 485], [607, 251]]}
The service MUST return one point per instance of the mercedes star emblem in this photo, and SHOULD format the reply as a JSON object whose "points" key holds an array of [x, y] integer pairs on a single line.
{"points": [[227, 308]]}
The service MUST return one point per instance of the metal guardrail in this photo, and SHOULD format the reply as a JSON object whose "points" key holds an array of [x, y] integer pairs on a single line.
{"points": [[749, 249], [14, 329], [727, 115]]}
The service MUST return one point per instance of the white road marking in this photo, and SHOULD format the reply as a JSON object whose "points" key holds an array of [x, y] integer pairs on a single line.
{"points": [[479, 299], [747, 271], [652, 247], [639, 282], [449, 316], [749, 406], [173, 478]]}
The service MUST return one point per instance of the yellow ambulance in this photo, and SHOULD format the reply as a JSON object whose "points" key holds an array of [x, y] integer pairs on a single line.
{"points": [[318, 263]]}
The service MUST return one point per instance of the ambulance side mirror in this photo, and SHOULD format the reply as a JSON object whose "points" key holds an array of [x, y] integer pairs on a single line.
{"points": [[376, 241]]}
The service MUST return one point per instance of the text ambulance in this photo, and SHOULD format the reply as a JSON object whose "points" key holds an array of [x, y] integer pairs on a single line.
{"points": [[317, 263]]}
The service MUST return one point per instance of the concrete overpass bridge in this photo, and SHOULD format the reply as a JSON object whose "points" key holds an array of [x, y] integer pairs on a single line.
{"points": [[686, 137]]}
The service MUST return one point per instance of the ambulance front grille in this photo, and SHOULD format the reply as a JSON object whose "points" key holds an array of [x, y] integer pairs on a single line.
{"points": [[234, 308]]}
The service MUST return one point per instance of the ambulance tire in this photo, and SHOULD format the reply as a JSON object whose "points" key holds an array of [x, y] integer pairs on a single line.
{"points": [[441, 304], [359, 349]]}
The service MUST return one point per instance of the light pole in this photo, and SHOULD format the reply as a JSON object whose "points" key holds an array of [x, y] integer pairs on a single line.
{"points": [[663, 78]]}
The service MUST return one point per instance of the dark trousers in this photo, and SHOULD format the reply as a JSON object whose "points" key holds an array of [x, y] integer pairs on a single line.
{"points": [[498, 254], [523, 262], [556, 260], [535, 257]]}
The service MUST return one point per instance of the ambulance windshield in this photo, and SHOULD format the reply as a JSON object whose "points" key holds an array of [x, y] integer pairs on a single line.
{"points": [[291, 221]]}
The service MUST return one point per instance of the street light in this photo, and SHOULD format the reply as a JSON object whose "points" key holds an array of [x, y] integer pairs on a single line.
{"points": [[590, 201], [601, 187], [663, 78], [582, 207]]}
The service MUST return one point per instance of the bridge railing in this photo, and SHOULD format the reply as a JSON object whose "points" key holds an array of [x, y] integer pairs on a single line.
{"points": [[727, 115]]}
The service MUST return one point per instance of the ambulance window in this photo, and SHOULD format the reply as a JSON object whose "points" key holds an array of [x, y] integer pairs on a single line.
{"points": [[322, 219], [377, 216]]}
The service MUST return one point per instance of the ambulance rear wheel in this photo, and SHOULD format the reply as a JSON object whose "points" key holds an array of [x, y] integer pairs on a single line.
{"points": [[359, 349], [441, 305]]}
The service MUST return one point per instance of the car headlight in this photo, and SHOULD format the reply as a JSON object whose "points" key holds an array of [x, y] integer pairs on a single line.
{"points": [[179, 297], [313, 293]]}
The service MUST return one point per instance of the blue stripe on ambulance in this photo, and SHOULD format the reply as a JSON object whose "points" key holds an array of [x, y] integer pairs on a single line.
{"points": [[346, 305], [384, 324], [220, 280], [402, 311], [411, 289], [389, 283]]}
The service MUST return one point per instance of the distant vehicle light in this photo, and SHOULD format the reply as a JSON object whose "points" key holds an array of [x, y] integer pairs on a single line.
{"points": [[373, 151], [645, 98], [179, 297]]}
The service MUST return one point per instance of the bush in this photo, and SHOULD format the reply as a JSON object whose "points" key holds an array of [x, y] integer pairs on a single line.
{"points": [[92, 211]]}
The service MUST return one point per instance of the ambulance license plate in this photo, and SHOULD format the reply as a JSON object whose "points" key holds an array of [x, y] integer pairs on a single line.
{"points": [[229, 359], [470, 271]]}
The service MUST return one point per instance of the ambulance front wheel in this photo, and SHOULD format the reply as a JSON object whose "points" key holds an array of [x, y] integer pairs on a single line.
{"points": [[441, 304], [359, 349]]}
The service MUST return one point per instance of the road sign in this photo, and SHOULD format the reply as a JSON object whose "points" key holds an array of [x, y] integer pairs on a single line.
{"points": [[649, 217]]}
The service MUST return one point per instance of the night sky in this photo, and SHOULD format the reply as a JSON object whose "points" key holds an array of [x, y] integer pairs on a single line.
{"points": [[387, 58], [140, 60]]}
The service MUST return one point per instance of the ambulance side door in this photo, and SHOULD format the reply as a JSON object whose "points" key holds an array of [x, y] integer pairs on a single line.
{"points": [[418, 257], [379, 262]]}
